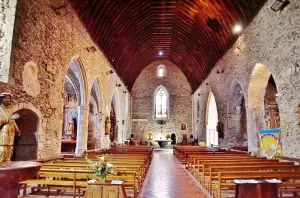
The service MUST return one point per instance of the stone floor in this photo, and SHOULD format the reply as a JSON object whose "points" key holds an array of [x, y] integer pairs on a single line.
{"points": [[166, 178]]}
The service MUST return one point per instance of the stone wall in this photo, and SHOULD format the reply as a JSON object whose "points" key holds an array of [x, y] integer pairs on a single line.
{"points": [[180, 103], [7, 20], [272, 39], [51, 41]]}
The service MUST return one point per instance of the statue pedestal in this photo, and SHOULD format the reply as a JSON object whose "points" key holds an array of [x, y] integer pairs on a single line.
{"points": [[11, 173]]}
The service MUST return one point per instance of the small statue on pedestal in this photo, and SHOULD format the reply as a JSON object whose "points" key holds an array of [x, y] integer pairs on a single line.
{"points": [[71, 131], [8, 127]]}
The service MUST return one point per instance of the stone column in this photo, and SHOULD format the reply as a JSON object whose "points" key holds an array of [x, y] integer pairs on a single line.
{"points": [[98, 128], [82, 130], [66, 119], [253, 127]]}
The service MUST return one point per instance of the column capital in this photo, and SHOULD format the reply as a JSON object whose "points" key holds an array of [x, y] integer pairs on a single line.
{"points": [[86, 107]]}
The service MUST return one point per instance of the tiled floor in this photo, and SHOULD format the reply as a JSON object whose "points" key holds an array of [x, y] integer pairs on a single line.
{"points": [[168, 179]]}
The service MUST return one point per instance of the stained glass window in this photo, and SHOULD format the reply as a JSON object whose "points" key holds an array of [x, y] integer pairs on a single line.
{"points": [[161, 103]]}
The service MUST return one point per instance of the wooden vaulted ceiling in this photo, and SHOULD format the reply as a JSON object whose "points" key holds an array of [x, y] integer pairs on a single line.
{"points": [[193, 34]]}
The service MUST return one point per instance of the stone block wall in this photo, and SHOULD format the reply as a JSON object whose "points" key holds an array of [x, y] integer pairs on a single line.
{"points": [[7, 20], [272, 39], [180, 103], [51, 41]]}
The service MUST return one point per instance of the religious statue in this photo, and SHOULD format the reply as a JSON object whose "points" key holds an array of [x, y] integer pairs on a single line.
{"points": [[267, 118], [8, 127], [107, 126], [71, 130]]}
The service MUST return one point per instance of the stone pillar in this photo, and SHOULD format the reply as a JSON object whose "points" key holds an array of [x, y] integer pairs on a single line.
{"points": [[253, 126], [98, 128], [66, 119], [82, 130]]}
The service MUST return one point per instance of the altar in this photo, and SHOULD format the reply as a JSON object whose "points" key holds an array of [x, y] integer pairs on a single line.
{"points": [[163, 143]]}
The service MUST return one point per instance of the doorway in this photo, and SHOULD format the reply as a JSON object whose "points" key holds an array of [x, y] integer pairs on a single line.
{"points": [[25, 146], [173, 138]]}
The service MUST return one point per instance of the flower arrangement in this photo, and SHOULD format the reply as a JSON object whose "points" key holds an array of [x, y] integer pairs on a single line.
{"points": [[168, 136], [102, 167]]}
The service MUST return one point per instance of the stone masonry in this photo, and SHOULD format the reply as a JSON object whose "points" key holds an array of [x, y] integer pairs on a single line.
{"points": [[51, 41], [7, 20], [272, 39], [180, 103]]}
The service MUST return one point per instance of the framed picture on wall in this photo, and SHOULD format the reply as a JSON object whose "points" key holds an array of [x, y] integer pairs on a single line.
{"points": [[183, 126]]}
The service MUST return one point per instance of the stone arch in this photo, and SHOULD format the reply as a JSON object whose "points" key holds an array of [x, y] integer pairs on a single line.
{"points": [[258, 83], [211, 120], [76, 103], [35, 110], [94, 124], [27, 146], [116, 133], [77, 75], [236, 115]]}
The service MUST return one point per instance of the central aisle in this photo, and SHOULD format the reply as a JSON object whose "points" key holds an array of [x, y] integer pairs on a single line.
{"points": [[168, 179]]}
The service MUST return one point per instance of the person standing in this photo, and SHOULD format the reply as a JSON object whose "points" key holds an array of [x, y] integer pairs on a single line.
{"points": [[8, 127]]}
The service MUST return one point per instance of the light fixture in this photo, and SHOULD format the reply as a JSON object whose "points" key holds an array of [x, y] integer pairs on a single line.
{"points": [[237, 29], [91, 49], [279, 5], [109, 72], [160, 53]]}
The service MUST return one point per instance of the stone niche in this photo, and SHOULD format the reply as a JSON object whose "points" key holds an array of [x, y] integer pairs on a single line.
{"points": [[25, 145]]}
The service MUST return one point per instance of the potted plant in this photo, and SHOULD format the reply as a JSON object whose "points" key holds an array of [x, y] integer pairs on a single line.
{"points": [[102, 167], [168, 137]]}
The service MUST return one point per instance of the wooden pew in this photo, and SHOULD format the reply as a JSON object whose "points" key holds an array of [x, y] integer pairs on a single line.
{"points": [[213, 170], [134, 163], [225, 178]]}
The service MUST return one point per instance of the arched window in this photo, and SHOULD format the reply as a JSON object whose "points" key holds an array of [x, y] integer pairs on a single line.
{"points": [[161, 102], [161, 71], [126, 105]]}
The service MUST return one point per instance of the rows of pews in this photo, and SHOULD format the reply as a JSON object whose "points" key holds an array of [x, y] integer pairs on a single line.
{"points": [[130, 164], [216, 169]]}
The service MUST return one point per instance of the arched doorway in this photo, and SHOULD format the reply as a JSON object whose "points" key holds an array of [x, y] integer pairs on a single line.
{"points": [[262, 105], [74, 101], [26, 145], [211, 121], [173, 138], [236, 116]]}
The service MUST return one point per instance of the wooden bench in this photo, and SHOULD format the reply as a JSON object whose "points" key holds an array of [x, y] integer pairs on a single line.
{"points": [[225, 178]]}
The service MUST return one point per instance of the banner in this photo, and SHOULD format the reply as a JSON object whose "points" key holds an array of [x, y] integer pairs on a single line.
{"points": [[270, 143]]}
